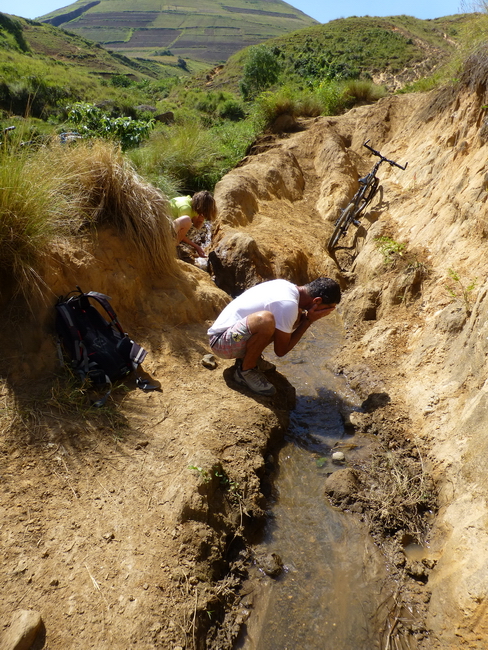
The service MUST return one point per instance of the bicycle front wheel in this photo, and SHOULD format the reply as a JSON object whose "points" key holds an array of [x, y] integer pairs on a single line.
{"points": [[342, 225]]}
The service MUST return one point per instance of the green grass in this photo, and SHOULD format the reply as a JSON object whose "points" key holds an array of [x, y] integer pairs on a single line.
{"points": [[187, 158]]}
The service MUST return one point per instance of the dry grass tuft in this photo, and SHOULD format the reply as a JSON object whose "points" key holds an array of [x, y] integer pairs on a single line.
{"points": [[58, 191], [32, 212], [110, 192], [398, 492]]}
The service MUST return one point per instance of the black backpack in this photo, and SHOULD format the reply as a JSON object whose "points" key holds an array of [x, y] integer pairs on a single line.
{"points": [[99, 350]]}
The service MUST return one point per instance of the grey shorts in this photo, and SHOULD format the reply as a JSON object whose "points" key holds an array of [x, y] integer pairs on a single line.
{"points": [[232, 343]]}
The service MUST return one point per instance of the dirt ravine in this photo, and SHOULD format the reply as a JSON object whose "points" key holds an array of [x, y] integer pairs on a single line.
{"points": [[127, 527]]}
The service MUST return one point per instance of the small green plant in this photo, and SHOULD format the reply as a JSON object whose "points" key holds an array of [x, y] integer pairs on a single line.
{"points": [[460, 291], [204, 475], [227, 485], [389, 248], [120, 81]]}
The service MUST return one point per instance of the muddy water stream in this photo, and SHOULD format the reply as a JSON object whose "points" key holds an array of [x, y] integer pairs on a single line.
{"points": [[331, 592]]}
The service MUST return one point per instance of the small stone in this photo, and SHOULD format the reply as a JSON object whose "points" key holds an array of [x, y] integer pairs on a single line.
{"points": [[270, 563], [23, 629], [338, 457], [342, 484], [209, 362], [355, 419]]}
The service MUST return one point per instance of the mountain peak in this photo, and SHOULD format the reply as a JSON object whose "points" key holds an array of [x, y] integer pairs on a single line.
{"points": [[193, 29]]}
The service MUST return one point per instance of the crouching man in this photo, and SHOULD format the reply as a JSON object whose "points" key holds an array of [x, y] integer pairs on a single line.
{"points": [[277, 312]]}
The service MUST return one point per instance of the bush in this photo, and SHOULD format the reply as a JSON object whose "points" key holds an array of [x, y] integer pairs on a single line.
{"points": [[323, 100], [109, 191], [232, 109], [33, 211], [183, 153], [361, 91], [120, 81], [93, 122], [330, 96], [185, 157]]}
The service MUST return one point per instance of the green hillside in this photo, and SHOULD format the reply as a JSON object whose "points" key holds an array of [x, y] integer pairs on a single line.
{"points": [[207, 30], [43, 67], [367, 47]]}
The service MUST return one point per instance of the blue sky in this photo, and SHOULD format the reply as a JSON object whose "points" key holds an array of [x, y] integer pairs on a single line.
{"points": [[321, 10]]}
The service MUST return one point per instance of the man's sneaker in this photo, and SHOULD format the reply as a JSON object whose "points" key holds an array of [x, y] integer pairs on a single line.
{"points": [[254, 380], [264, 365]]}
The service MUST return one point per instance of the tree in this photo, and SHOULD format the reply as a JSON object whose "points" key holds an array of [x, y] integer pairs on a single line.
{"points": [[261, 71]]}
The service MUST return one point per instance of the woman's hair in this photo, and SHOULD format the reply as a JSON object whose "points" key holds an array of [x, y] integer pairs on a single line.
{"points": [[324, 288], [204, 203]]}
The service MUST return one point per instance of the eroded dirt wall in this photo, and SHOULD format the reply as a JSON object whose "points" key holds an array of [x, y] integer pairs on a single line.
{"points": [[438, 209]]}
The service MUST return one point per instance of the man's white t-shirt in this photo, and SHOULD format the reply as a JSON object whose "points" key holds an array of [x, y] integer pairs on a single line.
{"points": [[280, 297]]}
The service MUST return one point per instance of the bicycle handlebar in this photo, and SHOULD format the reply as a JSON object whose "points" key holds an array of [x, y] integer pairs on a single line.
{"points": [[383, 159]]}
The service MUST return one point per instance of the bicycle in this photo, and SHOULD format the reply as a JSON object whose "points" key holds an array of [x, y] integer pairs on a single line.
{"points": [[368, 188], [6, 131]]}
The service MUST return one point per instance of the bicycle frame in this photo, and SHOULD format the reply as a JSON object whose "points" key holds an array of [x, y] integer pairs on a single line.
{"points": [[368, 187]]}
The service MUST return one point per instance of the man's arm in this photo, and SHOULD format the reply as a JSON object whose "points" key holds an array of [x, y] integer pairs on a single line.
{"points": [[285, 341]]}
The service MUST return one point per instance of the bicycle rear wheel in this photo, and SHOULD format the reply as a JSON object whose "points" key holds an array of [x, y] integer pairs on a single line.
{"points": [[342, 225]]}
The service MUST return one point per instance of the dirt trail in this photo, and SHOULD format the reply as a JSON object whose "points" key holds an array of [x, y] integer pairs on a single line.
{"points": [[128, 527]]}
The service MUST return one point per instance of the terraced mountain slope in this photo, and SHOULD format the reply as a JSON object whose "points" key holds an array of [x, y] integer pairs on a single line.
{"points": [[207, 30]]}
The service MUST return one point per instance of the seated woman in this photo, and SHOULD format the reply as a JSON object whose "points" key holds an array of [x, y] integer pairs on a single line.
{"points": [[192, 211]]}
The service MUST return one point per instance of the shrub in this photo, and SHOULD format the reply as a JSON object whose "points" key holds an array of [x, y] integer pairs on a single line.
{"points": [[330, 97], [186, 157], [109, 191], [232, 109], [183, 153], [93, 122], [33, 212], [322, 100], [120, 81]]}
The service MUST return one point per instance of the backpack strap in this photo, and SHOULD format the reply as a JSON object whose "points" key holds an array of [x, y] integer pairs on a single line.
{"points": [[64, 313], [103, 300], [137, 354]]}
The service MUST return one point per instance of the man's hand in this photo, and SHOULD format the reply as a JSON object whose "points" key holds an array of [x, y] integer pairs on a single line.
{"points": [[318, 311]]}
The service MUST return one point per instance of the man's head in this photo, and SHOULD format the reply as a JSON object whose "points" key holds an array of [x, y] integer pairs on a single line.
{"points": [[326, 289]]}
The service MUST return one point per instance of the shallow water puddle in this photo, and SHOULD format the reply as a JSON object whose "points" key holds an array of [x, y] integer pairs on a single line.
{"points": [[330, 594]]}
